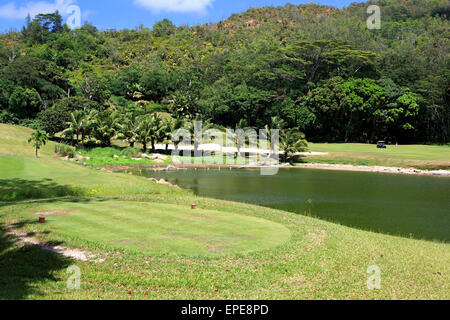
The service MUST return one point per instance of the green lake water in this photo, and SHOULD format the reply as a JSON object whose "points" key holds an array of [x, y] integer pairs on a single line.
{"points": [[409, 206]]}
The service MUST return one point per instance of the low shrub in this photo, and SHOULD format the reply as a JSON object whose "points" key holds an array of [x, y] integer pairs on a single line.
{"points": [[64, 150]]}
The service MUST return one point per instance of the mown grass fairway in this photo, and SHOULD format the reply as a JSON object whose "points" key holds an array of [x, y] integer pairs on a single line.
{"points": [[266, 253], [159, 228], [418, 156]]}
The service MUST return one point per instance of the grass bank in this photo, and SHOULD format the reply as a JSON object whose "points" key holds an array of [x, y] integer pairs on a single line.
{"points": [[117, 156], [423, 157], [149, 244]]}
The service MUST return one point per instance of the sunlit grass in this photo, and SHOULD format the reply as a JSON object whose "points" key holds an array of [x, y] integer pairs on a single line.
{"points": [[418, 156], [115, 156], [161, 229]]}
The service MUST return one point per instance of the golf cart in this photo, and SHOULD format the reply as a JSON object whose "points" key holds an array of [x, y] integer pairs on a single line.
{"points": [[381, 145]]}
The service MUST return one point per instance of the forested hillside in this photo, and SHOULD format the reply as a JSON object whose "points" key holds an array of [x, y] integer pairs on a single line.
{"points": [[319, 69]]}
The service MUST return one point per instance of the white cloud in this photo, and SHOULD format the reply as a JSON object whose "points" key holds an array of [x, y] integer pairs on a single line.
{"points": [[175, 5], [12, 11]]}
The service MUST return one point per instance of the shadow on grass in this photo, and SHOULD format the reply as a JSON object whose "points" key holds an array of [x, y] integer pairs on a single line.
{"points": [[59, 200], [71, 200], [20, 189], [24, 267]]}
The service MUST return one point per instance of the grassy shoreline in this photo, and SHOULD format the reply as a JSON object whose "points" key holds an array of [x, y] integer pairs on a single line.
{"points": [[422, 157], [361, 157], [319, 260], [312, 166]]}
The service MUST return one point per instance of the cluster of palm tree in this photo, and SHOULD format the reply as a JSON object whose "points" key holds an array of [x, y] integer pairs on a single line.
{"points": [[290, 140], [103, 127], [150, 129]]}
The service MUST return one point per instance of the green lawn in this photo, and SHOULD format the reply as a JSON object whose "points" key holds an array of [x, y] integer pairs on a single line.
{"points": [[418, 156], [101, 157], [153, 246], [159, 228]]}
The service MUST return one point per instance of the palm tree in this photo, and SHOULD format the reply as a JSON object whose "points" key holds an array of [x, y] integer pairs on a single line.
{"points": [[86, 126], [144, 132], [76, 125], [105, 127], [39, 138], [276, 123], [292, 141], [129, 129], [156, 129], [170, 126]]}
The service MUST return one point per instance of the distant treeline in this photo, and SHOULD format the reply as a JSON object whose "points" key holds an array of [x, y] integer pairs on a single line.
{"points": [[318, 69]]}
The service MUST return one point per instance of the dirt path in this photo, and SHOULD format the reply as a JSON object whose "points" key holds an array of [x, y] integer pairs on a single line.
{"points": [[64, 251]]}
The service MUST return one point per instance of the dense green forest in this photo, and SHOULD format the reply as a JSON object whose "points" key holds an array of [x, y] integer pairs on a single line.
{"points": [[313, 68]]}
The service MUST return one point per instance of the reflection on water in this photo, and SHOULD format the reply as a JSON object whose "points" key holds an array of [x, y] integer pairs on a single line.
{"points": [[415, 206]]}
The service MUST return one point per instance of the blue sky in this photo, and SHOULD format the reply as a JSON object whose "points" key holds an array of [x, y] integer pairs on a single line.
{"points": [[119, 14]]}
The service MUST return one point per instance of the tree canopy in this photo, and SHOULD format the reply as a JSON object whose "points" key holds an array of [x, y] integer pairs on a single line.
{"points": [[317, 68]]}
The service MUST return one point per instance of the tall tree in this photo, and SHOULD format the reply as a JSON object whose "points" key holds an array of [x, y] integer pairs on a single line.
{"points": [[129, 127], [144, 132], [76, 125]]}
